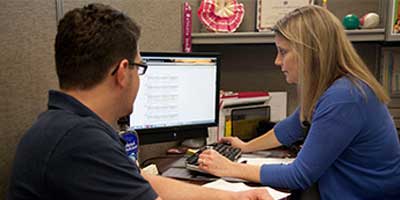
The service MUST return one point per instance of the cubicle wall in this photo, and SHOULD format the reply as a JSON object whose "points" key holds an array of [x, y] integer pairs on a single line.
{"points": [[160, 20], [27, 30], [27, 66]]}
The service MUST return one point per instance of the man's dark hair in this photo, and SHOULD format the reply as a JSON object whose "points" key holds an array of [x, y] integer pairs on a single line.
{"points": [[89, 41]]}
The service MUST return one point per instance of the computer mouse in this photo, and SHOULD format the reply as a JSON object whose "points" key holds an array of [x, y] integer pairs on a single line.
{"points": [[176, 150]]}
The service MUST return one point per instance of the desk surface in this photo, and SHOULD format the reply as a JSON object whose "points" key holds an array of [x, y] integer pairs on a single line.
{"points": [[164, 163]]}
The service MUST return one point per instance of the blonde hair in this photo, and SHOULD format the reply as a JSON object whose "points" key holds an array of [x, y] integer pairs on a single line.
{"points": [[323, 54]]}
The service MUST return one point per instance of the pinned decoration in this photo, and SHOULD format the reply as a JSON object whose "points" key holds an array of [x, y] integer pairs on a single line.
{"points": [[325, 4], [396, 27], [187, 28], [370, 20], [221, 15], [351, 21]]}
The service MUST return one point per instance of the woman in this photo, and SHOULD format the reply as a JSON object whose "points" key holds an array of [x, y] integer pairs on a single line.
{"points": [[352, 149]]}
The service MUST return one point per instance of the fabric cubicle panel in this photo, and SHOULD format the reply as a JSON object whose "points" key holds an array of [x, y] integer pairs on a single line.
{"points": [[26, 71]]}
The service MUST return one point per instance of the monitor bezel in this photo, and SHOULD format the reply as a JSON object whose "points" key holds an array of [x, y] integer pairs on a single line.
{"points": [[180, 132]]}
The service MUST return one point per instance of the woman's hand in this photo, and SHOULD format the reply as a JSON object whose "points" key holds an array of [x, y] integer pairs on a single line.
{"points": [[235, 142], [215, 163]]}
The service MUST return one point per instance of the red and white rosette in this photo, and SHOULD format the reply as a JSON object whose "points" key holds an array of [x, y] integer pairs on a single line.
{"points": [[221, 15]]}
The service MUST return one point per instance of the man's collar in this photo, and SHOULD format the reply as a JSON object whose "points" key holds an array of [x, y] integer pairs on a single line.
{"points": [[63, 101], [67, 103]]}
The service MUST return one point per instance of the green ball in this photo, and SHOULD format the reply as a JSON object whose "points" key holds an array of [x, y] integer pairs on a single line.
{"points": [[351, 21]]}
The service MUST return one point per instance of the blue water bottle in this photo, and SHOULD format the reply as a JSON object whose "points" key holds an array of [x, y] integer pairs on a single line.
{"points": [[132, 144], [131, 138]]}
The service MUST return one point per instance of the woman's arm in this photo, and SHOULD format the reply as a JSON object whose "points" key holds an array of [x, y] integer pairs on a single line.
{"points": [[214, 163], [290, 130], [266, 141], [332, 131]]}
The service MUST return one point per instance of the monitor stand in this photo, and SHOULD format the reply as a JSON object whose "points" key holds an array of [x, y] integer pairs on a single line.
{"points": [[194, 142]]}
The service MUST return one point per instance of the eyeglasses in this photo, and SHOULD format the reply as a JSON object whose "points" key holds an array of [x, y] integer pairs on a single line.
{"points": [[142, 67]]}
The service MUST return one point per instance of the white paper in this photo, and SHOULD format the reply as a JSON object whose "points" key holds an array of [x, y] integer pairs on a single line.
{"points": [[278, 103], [212, 135], [262, 161], [236, 187]]}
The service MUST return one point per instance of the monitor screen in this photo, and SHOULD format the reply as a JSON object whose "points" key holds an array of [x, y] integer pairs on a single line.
{"points": [[178, 96]]}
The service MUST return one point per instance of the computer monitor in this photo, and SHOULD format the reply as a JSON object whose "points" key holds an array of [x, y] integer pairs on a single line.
{"points": [[178, 97]]}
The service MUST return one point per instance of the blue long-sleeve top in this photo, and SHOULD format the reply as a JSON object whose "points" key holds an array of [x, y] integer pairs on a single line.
{"points": [[352, 148]]}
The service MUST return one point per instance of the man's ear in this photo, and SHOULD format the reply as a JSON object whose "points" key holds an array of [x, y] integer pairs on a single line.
{"points": [[121, 76]]}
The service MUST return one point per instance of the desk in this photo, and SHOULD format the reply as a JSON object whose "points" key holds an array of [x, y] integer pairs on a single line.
{"points": [[165, 163], [174, 167]]}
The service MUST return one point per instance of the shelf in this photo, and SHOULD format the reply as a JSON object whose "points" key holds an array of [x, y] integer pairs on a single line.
{"points": [[233, 38], [268, 37], [368, 35]]}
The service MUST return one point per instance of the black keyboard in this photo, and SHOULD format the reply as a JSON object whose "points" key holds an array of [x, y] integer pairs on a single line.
{"points": [[226, 150]]}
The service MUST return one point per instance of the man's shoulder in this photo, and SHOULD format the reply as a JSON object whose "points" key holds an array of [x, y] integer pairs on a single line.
{"points": [[65, 133], [55, 132], [60, 122], [53, 126]]}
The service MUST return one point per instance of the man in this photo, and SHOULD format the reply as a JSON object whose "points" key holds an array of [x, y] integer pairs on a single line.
{"points": [[72, 151]]}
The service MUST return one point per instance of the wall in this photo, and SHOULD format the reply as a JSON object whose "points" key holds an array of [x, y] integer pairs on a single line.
{"points": [[26, 71], [160, 20], [27, 66]]}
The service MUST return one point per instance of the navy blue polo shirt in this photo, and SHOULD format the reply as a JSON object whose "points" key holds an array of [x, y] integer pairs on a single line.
{"points": [[71, 153]]}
